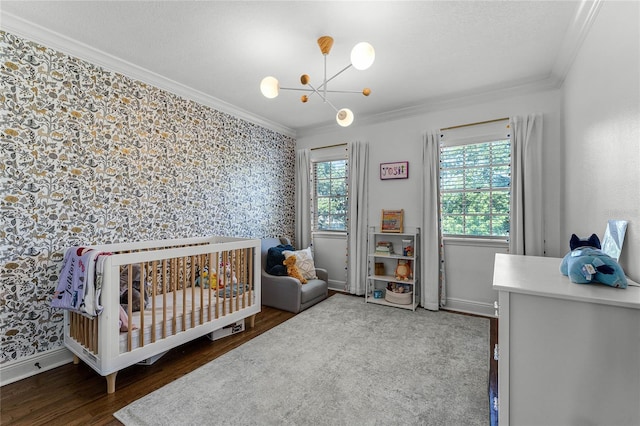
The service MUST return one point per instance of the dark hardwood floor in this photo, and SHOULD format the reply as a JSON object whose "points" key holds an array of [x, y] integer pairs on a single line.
{"points": [[77, 395]]}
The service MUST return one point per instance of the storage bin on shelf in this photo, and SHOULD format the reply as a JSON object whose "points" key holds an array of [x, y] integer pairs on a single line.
{"points": [[401, 298]]}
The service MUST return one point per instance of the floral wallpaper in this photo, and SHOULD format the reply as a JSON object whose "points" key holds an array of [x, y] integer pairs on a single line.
{"points": [[89, 156]]}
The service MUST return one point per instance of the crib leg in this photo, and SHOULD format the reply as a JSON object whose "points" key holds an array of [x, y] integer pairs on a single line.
{"points": [[252, 321], [76, 360], [111, 382]]}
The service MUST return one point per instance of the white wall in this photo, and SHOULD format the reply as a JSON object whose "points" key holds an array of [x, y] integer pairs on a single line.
{"points": [[401, 140], [329, 252], [601, 170], [469, 274]]}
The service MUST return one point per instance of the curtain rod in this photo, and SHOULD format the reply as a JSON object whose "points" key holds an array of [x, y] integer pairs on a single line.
{"points": [[330, 146], [475, 124]]}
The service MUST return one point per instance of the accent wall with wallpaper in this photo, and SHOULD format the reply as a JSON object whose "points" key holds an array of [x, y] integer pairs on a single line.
{"points": [[90, 156]]}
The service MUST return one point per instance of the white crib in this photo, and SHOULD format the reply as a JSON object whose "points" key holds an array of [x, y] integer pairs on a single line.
{"points": [[180, 307]]}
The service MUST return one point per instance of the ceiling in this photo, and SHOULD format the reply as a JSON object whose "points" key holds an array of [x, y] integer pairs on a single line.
{"points": [[217, 52]]}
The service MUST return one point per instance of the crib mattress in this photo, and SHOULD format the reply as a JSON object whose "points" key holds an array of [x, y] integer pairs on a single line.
{"points": [[195, 302]]}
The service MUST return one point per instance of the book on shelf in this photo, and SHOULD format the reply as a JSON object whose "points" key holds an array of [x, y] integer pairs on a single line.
{"points": [[384, 247]]}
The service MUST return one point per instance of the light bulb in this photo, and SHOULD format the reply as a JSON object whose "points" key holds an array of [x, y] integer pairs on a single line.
{"points": [[269, 87], [344, 117], [362, 56]]}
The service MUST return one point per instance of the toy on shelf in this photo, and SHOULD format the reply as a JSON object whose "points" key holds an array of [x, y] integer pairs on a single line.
{"points": [[403, 270], [587, 263]]}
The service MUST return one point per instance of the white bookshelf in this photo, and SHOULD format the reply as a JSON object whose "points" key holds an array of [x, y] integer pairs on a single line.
{"points": [[378, 281]]}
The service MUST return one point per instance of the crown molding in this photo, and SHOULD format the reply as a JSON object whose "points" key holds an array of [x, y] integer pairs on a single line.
{"points": [[462, 99], [36, 33], [573, 39]]}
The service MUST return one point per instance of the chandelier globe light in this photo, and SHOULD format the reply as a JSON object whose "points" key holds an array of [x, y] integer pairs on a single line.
{"points": [[344, 117], [269, 87], [362, 57]]}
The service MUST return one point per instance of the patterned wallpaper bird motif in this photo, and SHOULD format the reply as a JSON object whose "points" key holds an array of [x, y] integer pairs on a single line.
{"points": [[90, 156]]}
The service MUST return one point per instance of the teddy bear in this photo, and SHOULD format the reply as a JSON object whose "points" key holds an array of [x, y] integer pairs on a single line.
{"points": [[403, 270], [587, 263], [292, 269]]}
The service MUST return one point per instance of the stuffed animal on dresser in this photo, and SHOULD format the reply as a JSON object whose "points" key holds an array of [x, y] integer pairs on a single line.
{"points": [[292, 269], [587, 263]]}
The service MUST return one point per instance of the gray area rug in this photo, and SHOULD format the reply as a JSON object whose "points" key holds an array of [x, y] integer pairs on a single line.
{"points": [[341, 362]]}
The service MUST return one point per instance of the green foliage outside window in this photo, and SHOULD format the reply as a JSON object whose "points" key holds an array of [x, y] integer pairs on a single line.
{"points": [[330, 181], [475, 182]]}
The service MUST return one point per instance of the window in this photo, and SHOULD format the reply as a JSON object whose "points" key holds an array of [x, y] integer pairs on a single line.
{"points": [[330, 195], [475, 184]]}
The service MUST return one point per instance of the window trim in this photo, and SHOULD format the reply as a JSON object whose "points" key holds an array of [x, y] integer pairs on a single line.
{"points": [[314, 196], [476, 140]]}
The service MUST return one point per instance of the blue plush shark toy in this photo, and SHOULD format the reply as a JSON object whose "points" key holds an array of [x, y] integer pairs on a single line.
{"points": [[587, 263]]}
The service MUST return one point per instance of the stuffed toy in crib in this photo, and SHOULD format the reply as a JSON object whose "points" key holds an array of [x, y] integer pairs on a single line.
{"points": [[205, 279], [587, 263], [138, 280]]}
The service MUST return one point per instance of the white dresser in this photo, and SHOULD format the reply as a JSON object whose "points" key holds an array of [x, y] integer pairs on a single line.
{"points": [[569, 354]]}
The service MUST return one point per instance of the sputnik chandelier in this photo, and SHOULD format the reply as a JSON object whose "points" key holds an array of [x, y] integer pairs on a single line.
{"points": [[362, 57]]}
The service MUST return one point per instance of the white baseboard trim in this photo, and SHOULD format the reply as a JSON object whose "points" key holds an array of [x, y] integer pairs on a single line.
{"points": [[470, 307], [337, 285], [34, 364]]}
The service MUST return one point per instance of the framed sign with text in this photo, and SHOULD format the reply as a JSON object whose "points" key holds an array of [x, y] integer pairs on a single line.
{"points": [[398, 170]]}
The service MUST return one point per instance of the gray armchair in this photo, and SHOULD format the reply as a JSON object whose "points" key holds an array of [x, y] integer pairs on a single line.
{"points": [[288, 293]]}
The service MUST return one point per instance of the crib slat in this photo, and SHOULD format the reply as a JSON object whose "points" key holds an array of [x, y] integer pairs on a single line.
{"points": [[164, 279], [245, 278], [154, 288], [183, 259], [225, 283], [73, 330], [250, 272], [143, 274], [95, 335], [237, 254], [213, 281], [174, 291], [243, 272], [217, 288], [201, 265], [193, 292], [130, 309]]}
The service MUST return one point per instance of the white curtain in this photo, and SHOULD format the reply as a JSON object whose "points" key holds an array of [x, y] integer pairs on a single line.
{"points": [[527, 232], [303, 199], [358, 183], [433, 289]]}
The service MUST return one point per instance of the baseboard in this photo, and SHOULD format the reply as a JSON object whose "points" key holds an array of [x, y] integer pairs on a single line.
{"points": [[470, 306], [34, 364], [337, 285]]}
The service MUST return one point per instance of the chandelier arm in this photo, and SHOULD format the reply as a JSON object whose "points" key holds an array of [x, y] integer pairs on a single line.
{"points": [[324, 83], [338, 73], [323, 97], [296, 88], [344, 91]]}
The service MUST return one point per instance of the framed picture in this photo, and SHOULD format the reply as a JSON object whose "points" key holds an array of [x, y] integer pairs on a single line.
{"points": [[399, 170], [392, 221]]}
